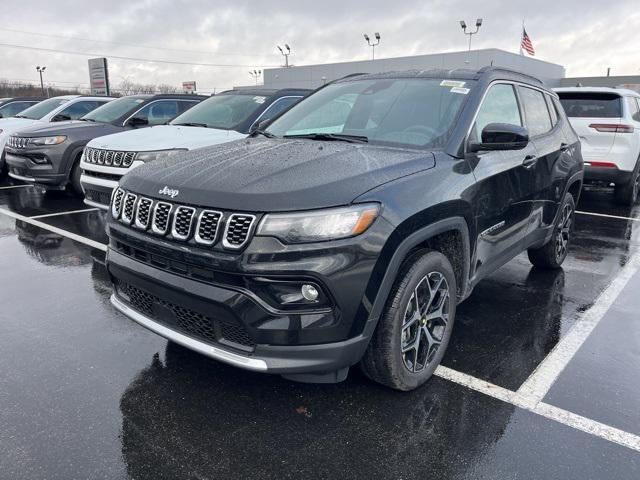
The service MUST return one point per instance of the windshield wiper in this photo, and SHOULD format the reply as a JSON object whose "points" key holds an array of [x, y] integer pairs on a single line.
{"points": [[86, 119], [19, 116], [262, 132], [191, 124], [332, 137]]}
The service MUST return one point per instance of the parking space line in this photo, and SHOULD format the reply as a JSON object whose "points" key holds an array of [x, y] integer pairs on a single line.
{"points": [[65, 213], [608, 216], [544, 376], [605, 432], [15, 186], [59, 231]]}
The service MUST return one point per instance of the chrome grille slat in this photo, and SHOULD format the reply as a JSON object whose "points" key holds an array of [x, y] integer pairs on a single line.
{"points": [[238, 230], [143, 213], [182, 222], [115, 158], [116, 204], [128, 209], [207, 227], [161, 214]]}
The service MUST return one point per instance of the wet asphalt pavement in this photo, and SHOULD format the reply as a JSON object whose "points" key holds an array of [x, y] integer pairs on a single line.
{"points": [[87, 394]]}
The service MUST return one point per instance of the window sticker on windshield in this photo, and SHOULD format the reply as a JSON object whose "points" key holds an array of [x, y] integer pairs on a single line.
{"points": [[259, 99], [461, 90], [452, 83]]}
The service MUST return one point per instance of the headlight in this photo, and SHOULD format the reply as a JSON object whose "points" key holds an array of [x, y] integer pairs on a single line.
{"points": [[157, 155], [48, 140], [319, 225]]}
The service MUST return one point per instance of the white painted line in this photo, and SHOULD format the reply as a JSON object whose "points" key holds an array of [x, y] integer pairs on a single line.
{"points": [[59, 231], [606, 432], [64, 213], [607, 216], [544, 376], [15, 186]]}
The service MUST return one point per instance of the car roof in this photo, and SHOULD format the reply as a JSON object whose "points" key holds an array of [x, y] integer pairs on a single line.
{"points": [[617, 91], [486, 73], [180, 96], [22, 99]]}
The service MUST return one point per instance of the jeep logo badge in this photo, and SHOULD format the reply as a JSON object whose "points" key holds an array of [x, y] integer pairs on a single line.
{"points": [[173, 193]]}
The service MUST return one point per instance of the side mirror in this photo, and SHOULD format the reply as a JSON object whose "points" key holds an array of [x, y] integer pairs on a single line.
{"points": [[259, 125], [61, 117], [501, 136], [137, 121]]}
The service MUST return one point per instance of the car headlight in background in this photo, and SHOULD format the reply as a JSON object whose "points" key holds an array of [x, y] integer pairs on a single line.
{"points": [[48, 140], [319, 225], [157, 155]]}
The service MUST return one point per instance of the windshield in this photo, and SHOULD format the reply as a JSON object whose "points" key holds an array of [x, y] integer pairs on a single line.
{"points": [[405, 112], [225, 112], [113, 110], [39, 110], [591, 104]]}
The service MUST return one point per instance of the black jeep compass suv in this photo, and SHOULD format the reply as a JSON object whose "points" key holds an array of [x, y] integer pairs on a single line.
{"points": [[348, 230]]}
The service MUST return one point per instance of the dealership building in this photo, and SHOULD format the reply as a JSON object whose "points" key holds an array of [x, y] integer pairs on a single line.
{"points": [[314, 76]]}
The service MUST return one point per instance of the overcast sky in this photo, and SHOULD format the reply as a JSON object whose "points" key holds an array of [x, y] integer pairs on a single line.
{"points": [[585, 36]]}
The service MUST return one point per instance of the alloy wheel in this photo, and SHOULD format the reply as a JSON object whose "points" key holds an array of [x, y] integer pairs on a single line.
{"points": [[564, 231], [425, 321]]}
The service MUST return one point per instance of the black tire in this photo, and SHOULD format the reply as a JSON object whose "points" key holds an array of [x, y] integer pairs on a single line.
{"points": [[384, 361], [74, 179], [552, 254], [627, 194]]}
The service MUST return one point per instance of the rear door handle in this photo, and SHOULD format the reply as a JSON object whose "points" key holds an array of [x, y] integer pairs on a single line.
{"points": [[564, 146], [529, 161]]}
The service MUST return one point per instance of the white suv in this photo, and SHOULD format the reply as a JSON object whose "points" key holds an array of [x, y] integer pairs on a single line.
{"points": [[608, 123], [222, 118]]}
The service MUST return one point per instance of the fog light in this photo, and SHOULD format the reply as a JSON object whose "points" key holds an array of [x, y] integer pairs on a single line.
{"points": [[309, 292]]}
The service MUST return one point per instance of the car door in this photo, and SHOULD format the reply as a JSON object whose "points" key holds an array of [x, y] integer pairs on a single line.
{"points": [[504, 193], [541, 120]]}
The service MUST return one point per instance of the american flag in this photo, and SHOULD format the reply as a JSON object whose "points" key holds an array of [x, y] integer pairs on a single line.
{"points": [[526, 43]]}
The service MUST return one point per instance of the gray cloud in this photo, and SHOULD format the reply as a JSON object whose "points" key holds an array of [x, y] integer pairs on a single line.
{"points": [[586, 37]]}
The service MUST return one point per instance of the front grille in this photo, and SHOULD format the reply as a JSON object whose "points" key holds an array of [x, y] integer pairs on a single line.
{"points": [[182, 221], [18, 142], [128, 209], [106, 176], [110, 158], [161, 218], [207, 227], [238, 230], [97, 196], [143, 213], [192, 323], [179, 220]]}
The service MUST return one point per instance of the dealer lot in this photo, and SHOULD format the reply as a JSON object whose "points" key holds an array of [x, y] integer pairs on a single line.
{"points": [[540, 379]]}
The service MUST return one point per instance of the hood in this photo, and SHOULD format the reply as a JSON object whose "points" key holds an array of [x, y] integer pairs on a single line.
{"points": [[12, 124], [73, 128], [259, 175], [165, 137]]}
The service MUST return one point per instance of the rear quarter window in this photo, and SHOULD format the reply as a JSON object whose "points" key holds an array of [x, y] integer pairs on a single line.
{"points": [[537, 119], [591, 104]]}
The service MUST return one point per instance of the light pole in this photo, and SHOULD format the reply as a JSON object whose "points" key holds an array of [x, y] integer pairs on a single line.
{"points": [[255, 74], [40, 70], [471, 34], [372, 44], [285, 55]]}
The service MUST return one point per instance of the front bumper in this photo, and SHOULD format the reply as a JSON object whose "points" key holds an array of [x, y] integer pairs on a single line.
{"points": [[22, 167], [97, 191]]}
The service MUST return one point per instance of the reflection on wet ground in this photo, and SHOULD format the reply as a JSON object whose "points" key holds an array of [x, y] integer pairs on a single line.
{"points": [[86, 393]]}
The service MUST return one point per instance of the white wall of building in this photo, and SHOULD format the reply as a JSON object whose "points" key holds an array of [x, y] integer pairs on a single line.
{"points": [[313, 76]]}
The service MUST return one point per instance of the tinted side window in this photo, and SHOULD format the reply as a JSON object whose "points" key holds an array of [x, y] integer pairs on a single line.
{"points": [[634, 110], [552, 110], [159, 112], [278, 107], [499, 106], [10, 109], [537, 118], [185, 105], [80, 109]]}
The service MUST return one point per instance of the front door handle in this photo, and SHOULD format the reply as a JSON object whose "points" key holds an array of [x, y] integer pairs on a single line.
{"points": [[564, 146], [529, 161]]}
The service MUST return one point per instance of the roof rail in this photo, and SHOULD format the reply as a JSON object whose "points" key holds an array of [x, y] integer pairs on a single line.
{"points": [[509, 70]]}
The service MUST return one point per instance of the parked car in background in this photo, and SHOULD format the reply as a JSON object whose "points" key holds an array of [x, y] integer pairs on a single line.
{"points": [[222, 118], [14, 105], [55, 109], [348, 230], [49, 154], [607, 121]]}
